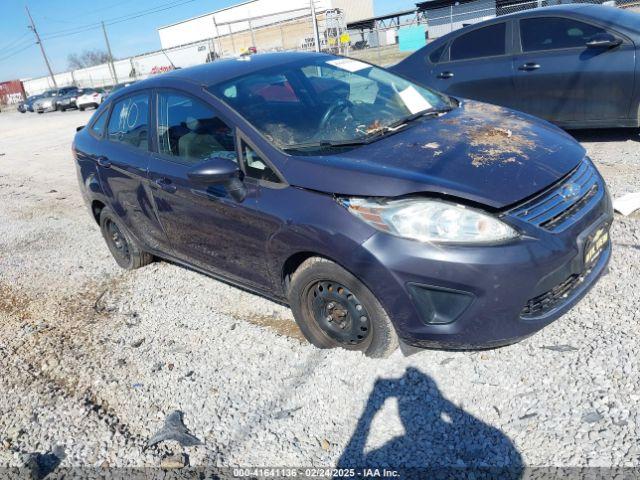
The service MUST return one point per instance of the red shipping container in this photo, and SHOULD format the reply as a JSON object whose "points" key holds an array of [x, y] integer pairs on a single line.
{"points": [[11, 92]]}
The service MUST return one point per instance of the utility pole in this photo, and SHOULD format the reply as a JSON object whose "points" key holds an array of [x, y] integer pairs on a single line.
{"points": [[39, 42], [314, 20], [113, 67]]}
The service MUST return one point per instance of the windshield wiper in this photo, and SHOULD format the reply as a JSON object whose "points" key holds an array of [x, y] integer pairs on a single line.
{"points": [[330, 143], [371, 137], [417, 115]]}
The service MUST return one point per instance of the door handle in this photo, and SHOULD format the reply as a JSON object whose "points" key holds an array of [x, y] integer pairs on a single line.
{"points": [[445, 75], [104, 162], [529, 67], [165, 184]]}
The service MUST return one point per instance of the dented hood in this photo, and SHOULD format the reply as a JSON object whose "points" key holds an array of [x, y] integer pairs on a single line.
{"points": [[479, 152]]}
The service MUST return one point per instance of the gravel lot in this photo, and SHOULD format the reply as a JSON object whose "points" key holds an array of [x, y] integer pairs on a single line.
{"points": [[94, 358]]}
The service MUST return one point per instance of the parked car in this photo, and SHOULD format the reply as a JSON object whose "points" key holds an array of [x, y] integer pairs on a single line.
{"points": [[118, 86], [375, 207], [69, 99], [574, 65], [27, 104], [46, 102], [90, 97], [50, 99]]}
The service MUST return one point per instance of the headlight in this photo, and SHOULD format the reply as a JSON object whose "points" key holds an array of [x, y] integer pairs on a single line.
{"points": [[429, 220]]}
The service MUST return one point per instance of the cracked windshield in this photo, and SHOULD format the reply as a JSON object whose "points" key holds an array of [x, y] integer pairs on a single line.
{"points": [[323, 103]]}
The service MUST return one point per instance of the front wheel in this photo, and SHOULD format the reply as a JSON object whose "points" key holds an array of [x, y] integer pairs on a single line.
{"points": [[335, 309], [125, 250]]}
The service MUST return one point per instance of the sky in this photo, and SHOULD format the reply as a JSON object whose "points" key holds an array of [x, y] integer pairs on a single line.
{"points": [[20, 57]]}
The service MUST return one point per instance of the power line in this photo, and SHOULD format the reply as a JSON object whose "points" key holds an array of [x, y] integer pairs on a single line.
{"points": [[115, 20], [14, 42], [6, 57], [18, 46]]}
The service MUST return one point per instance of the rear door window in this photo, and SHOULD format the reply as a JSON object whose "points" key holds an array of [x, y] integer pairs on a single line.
{"points": [[555, 33], [484, 42], [129, 122]]}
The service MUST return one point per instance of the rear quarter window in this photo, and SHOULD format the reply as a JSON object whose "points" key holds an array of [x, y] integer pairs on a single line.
{"points": [[436, 55], [97, 127]]}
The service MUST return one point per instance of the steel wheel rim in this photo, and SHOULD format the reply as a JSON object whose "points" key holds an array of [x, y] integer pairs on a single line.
{"points": [[339, 313], [118, 241]]}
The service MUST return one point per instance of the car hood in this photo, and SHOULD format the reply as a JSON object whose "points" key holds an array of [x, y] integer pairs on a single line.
{"points": [[479, 152]]}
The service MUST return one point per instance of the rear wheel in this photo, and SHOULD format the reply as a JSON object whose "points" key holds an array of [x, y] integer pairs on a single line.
{"points": [[334, 309], [125, 250], [81, 109]]}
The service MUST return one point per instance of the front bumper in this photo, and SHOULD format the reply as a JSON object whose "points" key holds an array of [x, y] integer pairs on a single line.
{"points": [[43, 108], [497, 282]]}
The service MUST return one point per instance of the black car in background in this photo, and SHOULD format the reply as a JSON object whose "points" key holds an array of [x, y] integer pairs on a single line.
{"points": [[574, 65], [69, 99], [116, 87], [27, 105]]}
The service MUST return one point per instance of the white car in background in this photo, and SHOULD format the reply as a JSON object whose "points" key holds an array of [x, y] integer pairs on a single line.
{"points": [[91, 97]]}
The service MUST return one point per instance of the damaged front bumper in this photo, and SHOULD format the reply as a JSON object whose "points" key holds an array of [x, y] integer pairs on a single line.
{"points": [[462, 297]]}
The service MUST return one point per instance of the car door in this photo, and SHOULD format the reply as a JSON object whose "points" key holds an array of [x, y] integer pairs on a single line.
{"points": [[560, 79], [477, 65], [123, 162], [205, 225]]}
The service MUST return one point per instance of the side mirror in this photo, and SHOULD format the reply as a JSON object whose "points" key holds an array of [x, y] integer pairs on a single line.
{"points": [[214, 170], [603, 40], [220, 171]]}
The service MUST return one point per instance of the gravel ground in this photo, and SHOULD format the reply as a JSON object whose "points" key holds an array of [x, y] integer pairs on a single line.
{"points": [[94, 358]]}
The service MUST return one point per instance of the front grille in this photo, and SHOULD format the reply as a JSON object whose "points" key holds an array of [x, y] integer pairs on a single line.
{"points": [[557, 208], [542, 304]]}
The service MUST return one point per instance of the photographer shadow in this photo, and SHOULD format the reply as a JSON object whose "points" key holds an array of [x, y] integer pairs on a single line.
{"points": [[439, 436]]}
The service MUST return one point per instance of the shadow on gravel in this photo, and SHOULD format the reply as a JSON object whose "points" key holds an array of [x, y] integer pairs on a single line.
{"points": [[606, 135], [439, 436], [40, 465]]}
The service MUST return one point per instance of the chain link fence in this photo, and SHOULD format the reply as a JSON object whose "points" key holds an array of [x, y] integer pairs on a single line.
{"points": [[378, 41]]}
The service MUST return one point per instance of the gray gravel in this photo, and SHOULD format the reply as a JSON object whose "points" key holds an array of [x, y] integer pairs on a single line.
{"points": [[93, 359]]}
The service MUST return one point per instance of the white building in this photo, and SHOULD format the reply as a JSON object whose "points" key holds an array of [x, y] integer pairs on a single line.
{"points": [[255, 15]]}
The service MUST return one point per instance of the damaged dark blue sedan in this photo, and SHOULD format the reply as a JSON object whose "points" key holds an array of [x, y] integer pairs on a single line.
{"points": [[379, 210]]}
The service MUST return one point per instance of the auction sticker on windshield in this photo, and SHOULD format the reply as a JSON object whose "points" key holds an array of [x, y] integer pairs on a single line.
{"points": [[413, 100], [349, 65]]}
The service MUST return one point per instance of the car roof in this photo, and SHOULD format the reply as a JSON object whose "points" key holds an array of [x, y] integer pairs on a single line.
{"points": [[601, 13], [604, 13], [222, 70]]}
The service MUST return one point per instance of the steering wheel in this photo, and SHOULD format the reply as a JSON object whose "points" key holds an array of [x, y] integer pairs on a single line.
{"points": [[334, 109]]}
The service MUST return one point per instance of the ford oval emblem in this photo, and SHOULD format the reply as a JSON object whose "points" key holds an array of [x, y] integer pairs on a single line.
{"points": [[569, 191]]}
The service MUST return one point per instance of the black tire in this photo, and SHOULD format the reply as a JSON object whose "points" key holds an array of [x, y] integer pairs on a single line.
{"points": [[81, 109], [319, 289], [125, 250]]}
